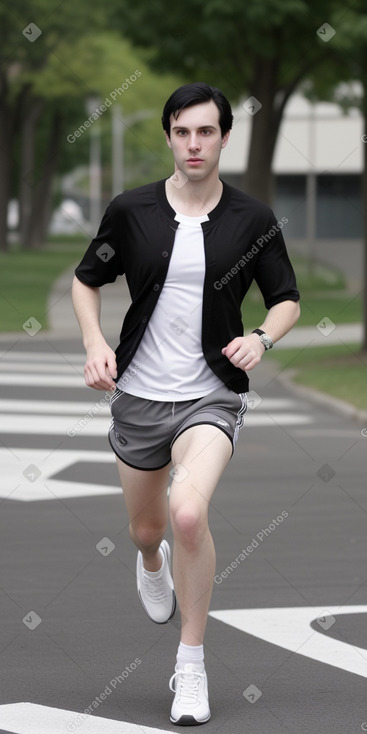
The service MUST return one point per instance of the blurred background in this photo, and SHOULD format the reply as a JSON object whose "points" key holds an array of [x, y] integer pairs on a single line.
{"points": [[82, 89]]}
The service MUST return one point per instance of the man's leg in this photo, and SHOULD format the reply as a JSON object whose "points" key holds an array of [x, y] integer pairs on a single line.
{"points": [[199, 456], [203, 451], [145, 494]]}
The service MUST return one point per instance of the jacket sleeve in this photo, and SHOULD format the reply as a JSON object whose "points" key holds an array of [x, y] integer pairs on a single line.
{"points": [[274, 273], [103, 260]]}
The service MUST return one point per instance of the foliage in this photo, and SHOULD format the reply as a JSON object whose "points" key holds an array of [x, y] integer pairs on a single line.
{"points": [[75, 58], [340, 80], [220, 42]]}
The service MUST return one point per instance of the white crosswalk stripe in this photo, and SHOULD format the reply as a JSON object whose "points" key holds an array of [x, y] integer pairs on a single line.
{"points": [[42, 380], [29, 718], [92, 417], [65, 407], [70, 419], [55, 425], [42, 357], [43, 367]]}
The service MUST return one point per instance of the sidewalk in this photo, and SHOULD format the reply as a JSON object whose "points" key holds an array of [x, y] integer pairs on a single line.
{"points": [[115, 301]]}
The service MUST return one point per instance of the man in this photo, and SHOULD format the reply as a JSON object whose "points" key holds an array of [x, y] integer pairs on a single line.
{"points": [[190, 247]]}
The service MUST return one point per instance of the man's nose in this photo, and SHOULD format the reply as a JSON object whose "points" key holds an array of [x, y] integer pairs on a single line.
{"points": [[194, 143]]}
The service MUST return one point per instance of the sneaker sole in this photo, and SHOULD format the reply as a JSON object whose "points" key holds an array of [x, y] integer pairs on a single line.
{"points": [[154, 620], [188, 721]]}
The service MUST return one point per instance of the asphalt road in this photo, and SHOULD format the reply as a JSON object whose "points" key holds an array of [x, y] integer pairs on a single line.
{"points": [[286, 646]]}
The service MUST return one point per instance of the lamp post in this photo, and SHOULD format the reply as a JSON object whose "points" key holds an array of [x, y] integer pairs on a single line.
{"points": [[119, 125], [95, 175], [311, 193]]}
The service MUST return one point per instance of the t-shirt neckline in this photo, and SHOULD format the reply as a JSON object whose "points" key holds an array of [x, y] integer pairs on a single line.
{"points": [[191, 221], [214, 214]]}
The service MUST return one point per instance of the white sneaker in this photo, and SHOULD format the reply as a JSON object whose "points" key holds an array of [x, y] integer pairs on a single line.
{"points": [[157, 594], [190, 705]]}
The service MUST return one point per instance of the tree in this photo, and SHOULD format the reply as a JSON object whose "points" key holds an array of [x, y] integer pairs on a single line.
{"points": [[25, 51], [105, 67], [48, 70], [248, 49]]}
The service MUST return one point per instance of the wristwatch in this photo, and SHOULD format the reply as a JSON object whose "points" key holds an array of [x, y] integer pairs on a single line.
{"points": [[265, 339]]}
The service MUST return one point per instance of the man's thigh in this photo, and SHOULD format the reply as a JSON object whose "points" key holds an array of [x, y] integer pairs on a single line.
{"points": [[145, 492], [199, 456]]}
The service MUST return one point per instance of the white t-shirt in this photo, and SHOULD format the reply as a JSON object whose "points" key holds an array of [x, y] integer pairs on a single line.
{"points": [[169, 363]]}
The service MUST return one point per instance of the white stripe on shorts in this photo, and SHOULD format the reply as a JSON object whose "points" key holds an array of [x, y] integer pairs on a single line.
{"points": [[240, 416]]}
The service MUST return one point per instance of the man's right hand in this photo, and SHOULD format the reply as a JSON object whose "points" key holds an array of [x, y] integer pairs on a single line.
{"points": [[100, 367]]}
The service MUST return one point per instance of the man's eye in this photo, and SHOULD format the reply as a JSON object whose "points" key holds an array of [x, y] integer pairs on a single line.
{"points": [[206, 132], [181, 133]]}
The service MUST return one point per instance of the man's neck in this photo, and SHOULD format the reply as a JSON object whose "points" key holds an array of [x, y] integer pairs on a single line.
{"points": [[193, 198]]}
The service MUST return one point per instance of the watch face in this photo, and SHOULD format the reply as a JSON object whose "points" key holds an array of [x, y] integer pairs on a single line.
{"points": [[266, 341]]}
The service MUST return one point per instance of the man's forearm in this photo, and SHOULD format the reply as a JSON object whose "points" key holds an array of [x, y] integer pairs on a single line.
{"points": [[100, 368], [87, 307], [280, 319]]}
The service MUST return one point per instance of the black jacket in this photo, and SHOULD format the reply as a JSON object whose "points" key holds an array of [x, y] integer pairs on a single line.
{"points": [[242, 241]]}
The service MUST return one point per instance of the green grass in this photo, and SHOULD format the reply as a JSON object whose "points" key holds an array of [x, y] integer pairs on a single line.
{"points": [[323, 293], [340, 371], [341, 308], [27, 277], [319, 278]]}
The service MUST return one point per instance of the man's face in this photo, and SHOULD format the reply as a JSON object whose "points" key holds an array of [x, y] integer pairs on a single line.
{"points": [[196, 140]]}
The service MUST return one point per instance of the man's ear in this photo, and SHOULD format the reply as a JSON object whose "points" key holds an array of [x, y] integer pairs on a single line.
{"points": [[225, 138], [168, 140]]}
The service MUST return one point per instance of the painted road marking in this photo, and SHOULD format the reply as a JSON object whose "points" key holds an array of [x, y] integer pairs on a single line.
{"points": [[59, 425], [276, 419], [30, 718], [53, 425], [290, 628], [46, 367], [54, 380], [75, 408], [25, 474], [11, 356]]}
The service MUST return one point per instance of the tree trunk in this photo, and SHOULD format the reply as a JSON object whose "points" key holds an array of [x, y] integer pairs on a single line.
{"points": [[30, 116], [6, 144], [42, 206], [264, 131], [364, 208]]}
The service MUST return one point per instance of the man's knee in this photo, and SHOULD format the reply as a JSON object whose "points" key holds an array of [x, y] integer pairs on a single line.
{"points": [[189, 523], [147, 534]]}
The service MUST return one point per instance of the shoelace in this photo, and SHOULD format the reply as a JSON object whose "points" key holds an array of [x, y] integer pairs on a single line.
{"points": [[186, 684], [156, 588]]}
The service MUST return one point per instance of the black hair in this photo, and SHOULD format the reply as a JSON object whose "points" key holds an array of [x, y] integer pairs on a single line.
{"points": [[197, 93]]}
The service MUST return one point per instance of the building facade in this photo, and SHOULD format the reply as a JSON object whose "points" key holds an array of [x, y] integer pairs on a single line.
{"points": [[317, 168]]}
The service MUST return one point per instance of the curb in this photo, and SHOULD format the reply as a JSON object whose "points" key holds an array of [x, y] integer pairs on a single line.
{"points": [[338, 406]]}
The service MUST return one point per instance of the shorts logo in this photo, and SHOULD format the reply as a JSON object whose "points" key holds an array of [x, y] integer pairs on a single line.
{"points": [[222, 423], [121, 439]]}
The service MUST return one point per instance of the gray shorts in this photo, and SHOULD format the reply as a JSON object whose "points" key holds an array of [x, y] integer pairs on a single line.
{"points": [[142, 431]]}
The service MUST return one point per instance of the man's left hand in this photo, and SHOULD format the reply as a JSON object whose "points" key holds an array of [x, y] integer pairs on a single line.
{"points": [[244, 352]]}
